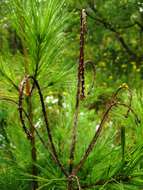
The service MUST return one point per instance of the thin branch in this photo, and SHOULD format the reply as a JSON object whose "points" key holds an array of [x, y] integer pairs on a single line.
{"points": [[108, 26], [113, 103], [94, 139], [131, 110], [37, 61], [124, 87], [13, 101], [80, 88], [53, 149], [140, 25], [126, 27], [21, 90]]}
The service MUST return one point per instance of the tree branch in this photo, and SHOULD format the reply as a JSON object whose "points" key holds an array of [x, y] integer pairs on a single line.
{"points": [[80, 88], [53, 149], [94, 140], [109, 26]]}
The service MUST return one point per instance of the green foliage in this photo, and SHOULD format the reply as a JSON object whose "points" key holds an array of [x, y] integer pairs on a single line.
{"points": [[48, 42]]}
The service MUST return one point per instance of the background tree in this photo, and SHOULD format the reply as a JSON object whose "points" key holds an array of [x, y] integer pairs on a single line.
{"points": [[115, 36]]}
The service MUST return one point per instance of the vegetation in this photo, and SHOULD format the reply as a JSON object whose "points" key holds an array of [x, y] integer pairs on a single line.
{"points": [[71, 95]]}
